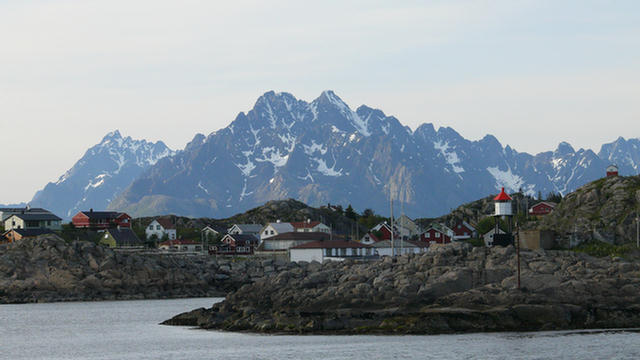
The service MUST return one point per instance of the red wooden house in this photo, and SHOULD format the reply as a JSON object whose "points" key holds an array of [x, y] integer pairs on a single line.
{"points": [[435, 236], [542, 208], [463, 230], [379, 232], [101, 219]]}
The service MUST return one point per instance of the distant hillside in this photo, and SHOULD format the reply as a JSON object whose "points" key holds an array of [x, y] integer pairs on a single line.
{"points": [[284, 210]]}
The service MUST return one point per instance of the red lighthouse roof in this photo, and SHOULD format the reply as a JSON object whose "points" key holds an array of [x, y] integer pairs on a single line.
{"points": [[503, 196]]}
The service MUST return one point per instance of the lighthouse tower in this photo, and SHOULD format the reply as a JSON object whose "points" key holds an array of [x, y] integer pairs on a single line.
{"points": [[503, 210]]}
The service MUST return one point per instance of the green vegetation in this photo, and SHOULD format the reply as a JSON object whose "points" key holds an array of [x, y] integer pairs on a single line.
{"points": [[476, 242], [488, 223], [369, 219], [601, 249]]}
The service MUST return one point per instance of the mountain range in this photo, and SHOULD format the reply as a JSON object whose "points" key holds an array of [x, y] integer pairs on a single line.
{"points": [[319, 152]]}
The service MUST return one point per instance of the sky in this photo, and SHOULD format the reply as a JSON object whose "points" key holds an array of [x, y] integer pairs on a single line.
{"points": [[531, 73]]}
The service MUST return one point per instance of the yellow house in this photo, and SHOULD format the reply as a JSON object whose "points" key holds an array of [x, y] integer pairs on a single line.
{"points": [[120, 237]]}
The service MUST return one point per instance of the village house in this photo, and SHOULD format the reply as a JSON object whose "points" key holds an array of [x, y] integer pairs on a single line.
{"points": [[33, 221], [488, 237], [542, 208], [463, 231], [285, 241], [209, 233], [161, 227], [235, 244], [379, 232], [435, 235], [100, 219], [402, 247], [406, 227], [245, 229], [180, 245], [120, 237], [274, 229], [335, 250], [310, 226], [14, 235]]}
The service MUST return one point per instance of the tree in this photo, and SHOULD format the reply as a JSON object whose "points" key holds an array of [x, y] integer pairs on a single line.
{"points": [[554, 197], [350, 213]]}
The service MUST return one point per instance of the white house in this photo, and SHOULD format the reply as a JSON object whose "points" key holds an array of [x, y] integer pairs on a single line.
{"points": [[245, 229], [285, 241], [310, 226], [33, 221], [336, 250], [276, 228], [406, 227], [488, 237], [159, 227], [180, 245]]}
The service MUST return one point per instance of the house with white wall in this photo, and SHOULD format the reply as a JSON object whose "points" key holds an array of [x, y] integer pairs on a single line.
{"points": [[330, 250], [275, 228], [161, 227]]}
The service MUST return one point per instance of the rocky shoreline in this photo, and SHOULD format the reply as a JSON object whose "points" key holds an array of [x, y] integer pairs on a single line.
{"points": [[48, 269], [451, 289]]}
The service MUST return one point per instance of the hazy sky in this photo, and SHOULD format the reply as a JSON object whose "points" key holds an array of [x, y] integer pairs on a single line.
{"points": [[532, 73]]}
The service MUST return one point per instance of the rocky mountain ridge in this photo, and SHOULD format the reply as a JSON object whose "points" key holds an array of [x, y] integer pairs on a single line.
{"points": [[104, 171], [323, 151], [319, 152]]}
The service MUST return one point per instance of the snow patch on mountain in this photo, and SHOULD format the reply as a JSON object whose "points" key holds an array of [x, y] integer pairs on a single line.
{"points": [[506, 179], [451, 157]]}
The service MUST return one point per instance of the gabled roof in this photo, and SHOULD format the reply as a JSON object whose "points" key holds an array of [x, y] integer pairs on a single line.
{"points": [[311, 236], [31, 232], [37, 217], [124, 237], [280, 227], [548, 203], [248, 228], [99, 215], [503, 196], [331, 244], [380, 226], [25, 209], [467, 225], [167, 224], [242, 239], [305, 224]]}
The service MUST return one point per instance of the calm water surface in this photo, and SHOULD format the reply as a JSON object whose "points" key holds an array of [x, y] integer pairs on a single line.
{"points": [[130, 330]]}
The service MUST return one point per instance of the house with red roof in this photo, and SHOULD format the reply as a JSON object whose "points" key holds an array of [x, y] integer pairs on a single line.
{"points": [[336, 250]]}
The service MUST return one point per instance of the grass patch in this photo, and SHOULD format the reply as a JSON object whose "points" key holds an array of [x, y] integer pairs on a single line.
{"points": [[602, 249]]}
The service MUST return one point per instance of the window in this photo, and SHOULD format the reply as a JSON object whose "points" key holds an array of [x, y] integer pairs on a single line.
{"points": [[437, 234], [271, 232], [327, 252], [343, 252], [428, 235], [150, 227], [158, 227]]}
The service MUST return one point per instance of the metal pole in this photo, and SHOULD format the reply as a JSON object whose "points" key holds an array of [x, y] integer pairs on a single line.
{"points": [[518, 251], [393, 244], [637, 231]]}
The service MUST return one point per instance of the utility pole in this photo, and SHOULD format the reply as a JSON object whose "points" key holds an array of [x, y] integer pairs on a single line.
{"points": [[393, 247], [518, 250], [637, 231]]}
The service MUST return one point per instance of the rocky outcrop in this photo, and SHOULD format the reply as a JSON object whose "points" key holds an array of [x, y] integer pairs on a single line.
{"points": [[49, 269], [603, 210], [453, 288]]}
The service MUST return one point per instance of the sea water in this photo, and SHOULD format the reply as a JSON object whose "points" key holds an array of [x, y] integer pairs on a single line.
{"points": [[131, 330]]}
